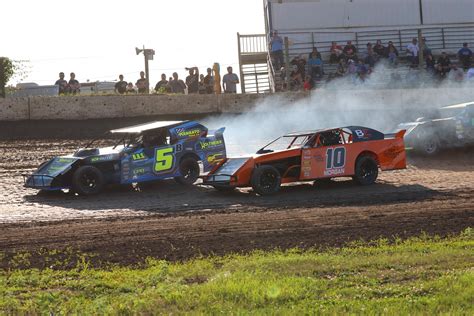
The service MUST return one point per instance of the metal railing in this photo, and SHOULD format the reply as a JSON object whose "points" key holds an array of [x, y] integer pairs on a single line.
{"points": [[252, 43]]}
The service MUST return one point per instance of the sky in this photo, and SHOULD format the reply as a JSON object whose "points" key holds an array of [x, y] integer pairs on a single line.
{"points": [[96, 39]]}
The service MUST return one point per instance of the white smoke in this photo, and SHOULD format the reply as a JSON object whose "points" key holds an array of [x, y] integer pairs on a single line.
{"points": [[387, 98]]}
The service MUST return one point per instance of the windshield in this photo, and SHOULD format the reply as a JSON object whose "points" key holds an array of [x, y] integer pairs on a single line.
{"points": [[285, 142]]}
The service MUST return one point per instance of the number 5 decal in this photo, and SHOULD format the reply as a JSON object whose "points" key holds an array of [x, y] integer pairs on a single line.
{"points": [[164, 159]]}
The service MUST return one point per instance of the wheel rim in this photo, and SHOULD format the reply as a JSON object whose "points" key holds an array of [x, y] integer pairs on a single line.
{"points": [[189, 172], [430, 147], [268, 180], [367, 170], [88, 181]]}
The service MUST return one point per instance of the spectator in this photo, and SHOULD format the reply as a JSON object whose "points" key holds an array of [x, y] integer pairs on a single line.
{"points": [[230, 81], [308, 83], [350, 51], [202, 86], [162, 84], [392, 55], [276, 44], [296, 80], [121, 85], [430, 63], [300, 64], [379, 49], [62, 83], [315, 51], [74, 85], [192, 81], [176, 85], [456, 75], [216, 68], [391, 47], [209, 81], [142, 83], [426, 49], [341, 69], [470, 74], [370, 58], [315, 64], [336, 51], [131, 89], [412, 52], [362, 71], [465, 55], [444, 64]]}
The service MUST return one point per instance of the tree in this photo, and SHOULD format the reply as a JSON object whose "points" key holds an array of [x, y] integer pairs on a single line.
{"points": [[7, 70]]}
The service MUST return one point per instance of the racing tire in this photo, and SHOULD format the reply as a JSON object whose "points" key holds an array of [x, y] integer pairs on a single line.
{"points": [[429, 146], [266, 180], [189, 169], [88, 180], [366, 170]]}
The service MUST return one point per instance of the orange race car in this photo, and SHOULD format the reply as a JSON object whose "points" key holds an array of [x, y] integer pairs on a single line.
{"points": [[352, 151]]}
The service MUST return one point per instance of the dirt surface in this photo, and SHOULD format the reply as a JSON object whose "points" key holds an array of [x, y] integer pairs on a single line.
{"points": [[165, 220]]}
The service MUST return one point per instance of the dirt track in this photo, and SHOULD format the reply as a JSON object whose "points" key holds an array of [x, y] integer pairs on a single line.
{"points": [[166, 220]]}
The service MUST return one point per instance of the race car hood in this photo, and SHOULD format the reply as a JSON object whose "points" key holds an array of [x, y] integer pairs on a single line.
{"points": [[44, 176], [227, 171]]}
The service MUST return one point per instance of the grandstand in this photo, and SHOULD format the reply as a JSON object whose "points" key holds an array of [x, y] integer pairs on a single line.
{"points": [[316, 23]]}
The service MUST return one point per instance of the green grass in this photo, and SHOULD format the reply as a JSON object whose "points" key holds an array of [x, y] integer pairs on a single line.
{"points": [[425, 275]]}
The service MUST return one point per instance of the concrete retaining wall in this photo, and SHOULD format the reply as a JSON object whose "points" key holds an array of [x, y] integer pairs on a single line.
{"points": [[116, 106]]}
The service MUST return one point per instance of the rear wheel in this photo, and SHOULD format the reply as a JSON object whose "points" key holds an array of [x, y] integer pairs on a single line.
{"points": [[266, 180], [366, 170], [88, 180], [429, 146], [189, 169]]}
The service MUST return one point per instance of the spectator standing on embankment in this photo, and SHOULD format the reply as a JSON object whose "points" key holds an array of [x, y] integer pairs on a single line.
{"points": [[161, 85], [62, 83], [192, 81], [176, 85], [230, 81], [74, 85], [142, 83], [121, 85]]}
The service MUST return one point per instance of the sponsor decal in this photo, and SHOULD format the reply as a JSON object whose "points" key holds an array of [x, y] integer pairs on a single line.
{"points": [[101, 158], [139, 171], [215, 158], [188, 133], [393, 152], [138, 156], [334, 171], [65, 160], [211, 144], [335, 161]]}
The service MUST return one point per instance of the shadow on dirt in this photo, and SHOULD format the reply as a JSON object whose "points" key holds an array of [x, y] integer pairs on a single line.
{"points": [[167, 197]]}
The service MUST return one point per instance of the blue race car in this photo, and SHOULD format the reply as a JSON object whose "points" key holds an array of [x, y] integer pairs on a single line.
{"points": [[146, 152]]}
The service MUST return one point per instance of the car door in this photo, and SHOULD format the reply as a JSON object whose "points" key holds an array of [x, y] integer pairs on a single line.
{"points": [[325, 160], [149, 163]]}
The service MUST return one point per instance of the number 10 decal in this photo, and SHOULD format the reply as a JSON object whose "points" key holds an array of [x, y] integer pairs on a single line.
{"points": [[335, 157]]}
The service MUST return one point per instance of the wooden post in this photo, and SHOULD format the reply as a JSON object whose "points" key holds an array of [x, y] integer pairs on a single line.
{"points": [[242, 78], [287, 63], [2, 78]]}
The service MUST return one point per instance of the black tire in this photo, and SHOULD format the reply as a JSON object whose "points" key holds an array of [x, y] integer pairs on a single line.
{"points": [[428, 146], [266, 180], [366, 170], [189, 169], [88, 180]]}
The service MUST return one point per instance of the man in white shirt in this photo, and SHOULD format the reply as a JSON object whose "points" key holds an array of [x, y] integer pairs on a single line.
{"points": [[412, 51]]}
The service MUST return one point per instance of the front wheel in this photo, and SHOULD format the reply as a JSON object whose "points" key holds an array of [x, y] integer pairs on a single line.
{"points": [[429, 146], [189, 169], [88, 180], [366, 170], [266, 180]]}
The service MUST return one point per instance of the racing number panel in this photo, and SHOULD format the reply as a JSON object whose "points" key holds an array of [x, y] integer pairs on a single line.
{"points": [[327, 162]]}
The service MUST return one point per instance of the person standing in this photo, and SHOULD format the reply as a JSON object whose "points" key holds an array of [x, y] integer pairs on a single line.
{"points": [[230, 81], [142, 83], [209, 82], [412, 52], [121, 85], [276, 49], [192, 81], [177, 85], [62, 83], [161, 85], [74, 85]]}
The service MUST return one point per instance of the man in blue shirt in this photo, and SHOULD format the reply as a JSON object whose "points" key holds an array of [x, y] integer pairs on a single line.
{"points": [[465, 55], [276, 44]]}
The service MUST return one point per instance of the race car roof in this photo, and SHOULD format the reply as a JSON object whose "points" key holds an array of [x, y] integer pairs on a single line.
{"points": [[136, 129], [460, 105]]}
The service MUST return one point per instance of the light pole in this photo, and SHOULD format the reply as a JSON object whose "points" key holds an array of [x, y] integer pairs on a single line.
{"points": [[148, 54], [420, 37]]}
